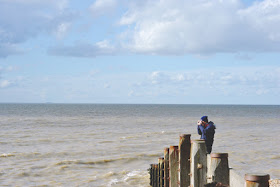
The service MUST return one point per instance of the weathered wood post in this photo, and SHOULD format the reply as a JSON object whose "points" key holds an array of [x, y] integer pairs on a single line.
{"points": [[160, 164], [198, 163], [218, 170], [184, 159], [158, 175], [173, 166], [151, 174], [166, 167], [162, 173], [257, 180], [155, 183]]}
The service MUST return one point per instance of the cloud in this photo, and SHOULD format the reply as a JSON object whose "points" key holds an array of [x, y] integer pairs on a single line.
{"points": [[5, 83], [7, 49], [235, 81], [62, 30], [107, 85], [84, 50], [21, 20], [168, 27], [161, 27], [171, 27], [102, 7], [131, 93], [244, 56]]}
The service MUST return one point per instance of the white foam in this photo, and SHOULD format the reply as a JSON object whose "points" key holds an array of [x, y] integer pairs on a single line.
{"points": [[7, 155], [113, 181]]}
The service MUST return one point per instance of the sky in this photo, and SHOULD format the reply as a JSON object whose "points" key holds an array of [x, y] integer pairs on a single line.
{"points": [[140, 51]]}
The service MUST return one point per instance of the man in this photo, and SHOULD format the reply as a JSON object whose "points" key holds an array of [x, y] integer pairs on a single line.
{"points": [[206, 130]]}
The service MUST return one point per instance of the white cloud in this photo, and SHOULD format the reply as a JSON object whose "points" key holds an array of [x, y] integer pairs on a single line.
{"points": [[7, 49], [157, 77], [102, 7], [93, 73], [105, 44], [83, 50], [5, 83], [47, 3], [174, 27], [62, 30], [6, 80], [179, 77], [21, 20], [262, 91], [107, 85], [180, 27], [241, 81], [131, 93]]}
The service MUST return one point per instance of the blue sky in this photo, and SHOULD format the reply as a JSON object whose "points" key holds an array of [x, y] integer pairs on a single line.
{"points": [[140, 51]]}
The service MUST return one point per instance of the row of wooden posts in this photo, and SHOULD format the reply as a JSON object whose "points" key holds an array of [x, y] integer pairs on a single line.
{"points": [[188, 165]]}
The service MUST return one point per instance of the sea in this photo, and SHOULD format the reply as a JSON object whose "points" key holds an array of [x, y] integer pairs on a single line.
{"points": [[114, 144]]}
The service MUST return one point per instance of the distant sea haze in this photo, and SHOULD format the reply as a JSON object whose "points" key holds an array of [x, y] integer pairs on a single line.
{"points": [[113, 144]]}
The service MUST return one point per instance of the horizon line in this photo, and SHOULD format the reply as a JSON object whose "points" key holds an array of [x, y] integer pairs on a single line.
{"points": [[136, 103]]}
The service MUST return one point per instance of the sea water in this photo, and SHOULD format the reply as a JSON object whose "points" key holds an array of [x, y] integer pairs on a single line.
{"points": [[114, 145]]}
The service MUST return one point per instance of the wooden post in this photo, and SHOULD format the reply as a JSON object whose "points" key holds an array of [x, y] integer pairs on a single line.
{"points": [[184, 159], [155, 184], [160, 163], [218, 170], [154, 175], [257, 180], [198, 163], [166, 167], [158, 174], [173, 165], [209, 175], [151, 174]]}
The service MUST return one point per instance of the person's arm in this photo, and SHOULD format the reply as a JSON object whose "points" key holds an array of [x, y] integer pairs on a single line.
{"points": [[198, 130], [210, 127]]}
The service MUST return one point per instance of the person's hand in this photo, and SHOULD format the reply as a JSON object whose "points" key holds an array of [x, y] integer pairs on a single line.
{"points": [[199, 122]]}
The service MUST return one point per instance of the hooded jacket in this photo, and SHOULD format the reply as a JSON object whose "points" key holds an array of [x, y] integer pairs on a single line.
{"points": [[207, 133]]}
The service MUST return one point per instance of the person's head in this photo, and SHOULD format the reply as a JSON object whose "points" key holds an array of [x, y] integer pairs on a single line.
{"points": [[204, 119]]}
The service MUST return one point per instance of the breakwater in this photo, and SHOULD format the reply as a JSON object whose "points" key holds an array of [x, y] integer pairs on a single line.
{"points": [[189, 165]]}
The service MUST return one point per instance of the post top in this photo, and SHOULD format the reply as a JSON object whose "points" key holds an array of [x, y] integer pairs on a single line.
{"points": [[173, 147], [198, 141], [185, 135], [219, 155], [257, 177]]}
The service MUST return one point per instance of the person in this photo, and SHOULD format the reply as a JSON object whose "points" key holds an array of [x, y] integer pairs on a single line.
{"points": [[206, 130]]}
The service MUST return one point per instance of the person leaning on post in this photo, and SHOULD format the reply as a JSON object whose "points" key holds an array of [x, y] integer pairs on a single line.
{"points": [[206, 130]]}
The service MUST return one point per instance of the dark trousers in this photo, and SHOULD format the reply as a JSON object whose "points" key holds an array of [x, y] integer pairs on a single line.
{"points": [[209, 146]]}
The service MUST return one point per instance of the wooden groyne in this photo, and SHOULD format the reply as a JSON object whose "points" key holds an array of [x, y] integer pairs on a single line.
{"points": [[188, 165]]}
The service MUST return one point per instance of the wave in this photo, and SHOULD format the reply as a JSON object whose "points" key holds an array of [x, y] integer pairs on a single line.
{"points": [[80, 162], [107, 161], [7, 155], [277, 157]]}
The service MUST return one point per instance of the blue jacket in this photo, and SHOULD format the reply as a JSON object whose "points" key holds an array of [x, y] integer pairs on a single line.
{"points": [[207, 133]]}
